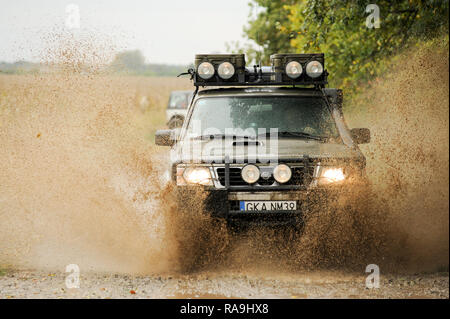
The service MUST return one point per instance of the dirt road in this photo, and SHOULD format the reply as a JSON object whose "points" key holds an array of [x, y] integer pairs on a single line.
{"points": [[81, 182], [39, 284]]}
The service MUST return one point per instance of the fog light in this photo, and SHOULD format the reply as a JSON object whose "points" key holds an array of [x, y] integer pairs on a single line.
{"points": [[282, 173], [250, 174], [205, 70]]}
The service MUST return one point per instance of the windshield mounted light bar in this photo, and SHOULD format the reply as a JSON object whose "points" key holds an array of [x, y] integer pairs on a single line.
{"points": [[286, 69]]}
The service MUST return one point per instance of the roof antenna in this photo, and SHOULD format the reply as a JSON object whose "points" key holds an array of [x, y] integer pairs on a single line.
{"points": [[259, 63]]}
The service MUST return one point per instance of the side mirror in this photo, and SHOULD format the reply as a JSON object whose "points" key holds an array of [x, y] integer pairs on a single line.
{"points": [[165, 137], [360, 135]]}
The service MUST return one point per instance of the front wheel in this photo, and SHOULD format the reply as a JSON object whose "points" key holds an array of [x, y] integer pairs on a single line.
{"points": [[201, 239]]}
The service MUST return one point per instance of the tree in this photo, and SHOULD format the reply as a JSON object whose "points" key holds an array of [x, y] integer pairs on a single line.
{"points": [[338, 28], [268, 30], [129, 61]]}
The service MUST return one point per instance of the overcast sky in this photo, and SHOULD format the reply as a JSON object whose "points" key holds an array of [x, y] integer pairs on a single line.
{"points": [[166, 31]]}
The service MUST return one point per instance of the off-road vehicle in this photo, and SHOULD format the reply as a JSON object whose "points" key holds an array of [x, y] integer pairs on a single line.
{"points": [[265, 144], [177, 108]]}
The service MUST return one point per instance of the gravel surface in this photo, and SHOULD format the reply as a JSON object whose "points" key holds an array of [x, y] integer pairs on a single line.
{"points": [[40, 284]]}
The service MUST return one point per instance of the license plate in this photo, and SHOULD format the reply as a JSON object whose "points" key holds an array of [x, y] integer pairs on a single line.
{"points": [[267, 205]]}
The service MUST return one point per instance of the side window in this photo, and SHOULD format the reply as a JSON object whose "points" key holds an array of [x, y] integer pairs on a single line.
{"points": [[178, 101]]}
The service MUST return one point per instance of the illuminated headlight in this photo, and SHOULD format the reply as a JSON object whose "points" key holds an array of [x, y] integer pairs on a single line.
{"points": [[250, 173], [196, 175], [282, 173], [314, 69], [225, 70], [294, 69], [331, 175], [205, 70]]}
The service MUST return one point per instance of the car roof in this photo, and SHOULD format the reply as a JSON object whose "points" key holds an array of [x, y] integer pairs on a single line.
{"points": [[182, 92], [259, 91]]}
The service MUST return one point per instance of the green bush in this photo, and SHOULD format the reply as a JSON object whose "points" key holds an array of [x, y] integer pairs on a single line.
{"points": [[354, 53]]}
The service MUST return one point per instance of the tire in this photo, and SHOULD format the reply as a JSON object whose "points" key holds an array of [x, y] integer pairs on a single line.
{"points": [[204, 245], [202, 240]]}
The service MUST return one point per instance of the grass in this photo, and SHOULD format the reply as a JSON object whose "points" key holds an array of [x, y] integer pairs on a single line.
{"points": [[2, 271], [152, 96], [147, 95]]}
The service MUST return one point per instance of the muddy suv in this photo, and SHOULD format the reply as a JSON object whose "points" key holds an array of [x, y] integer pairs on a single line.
{"points": [[266, 143], [177, 108]]}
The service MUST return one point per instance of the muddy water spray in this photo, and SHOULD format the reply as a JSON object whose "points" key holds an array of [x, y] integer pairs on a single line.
{"points": [[80, 184]]}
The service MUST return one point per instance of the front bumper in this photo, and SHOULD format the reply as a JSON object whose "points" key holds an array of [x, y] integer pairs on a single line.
{"points": [[224, 204], [222, 200]]}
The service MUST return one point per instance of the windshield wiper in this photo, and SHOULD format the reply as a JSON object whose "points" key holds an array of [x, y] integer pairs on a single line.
{"points": [[267, 134], [222, 136], [297, 134]]}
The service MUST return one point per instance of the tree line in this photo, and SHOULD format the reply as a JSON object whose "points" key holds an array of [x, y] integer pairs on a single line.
{"points": [[354, 47], [124, 63]]}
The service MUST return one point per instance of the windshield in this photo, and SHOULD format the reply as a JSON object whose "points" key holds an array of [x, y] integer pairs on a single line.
{"points": [[179, 100], [253, 115]]}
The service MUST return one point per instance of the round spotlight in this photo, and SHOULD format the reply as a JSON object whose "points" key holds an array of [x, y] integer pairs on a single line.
{"points": [[282, 173], [225, 70], [250, 173], [205, 70], [314, 69], [294, 69]]}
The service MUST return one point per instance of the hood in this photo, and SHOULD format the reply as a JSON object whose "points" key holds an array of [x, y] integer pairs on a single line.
{"points": [[286, 148]]}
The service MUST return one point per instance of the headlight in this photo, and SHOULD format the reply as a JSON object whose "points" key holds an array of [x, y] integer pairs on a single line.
{"points": [[294, 69], [314, 69], [282, 173], [205, 70], [250, 173], [330, 175], [225, 70], [197, 175]]}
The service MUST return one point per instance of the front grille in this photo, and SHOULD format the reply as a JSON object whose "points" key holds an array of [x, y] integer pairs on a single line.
{"points": [[301, 176], [235, 176]]}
